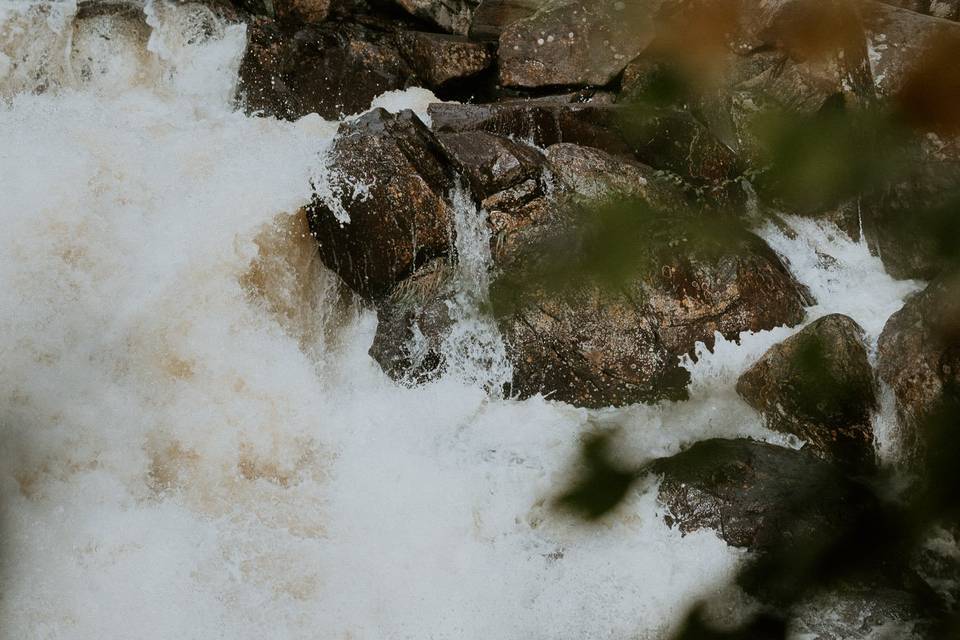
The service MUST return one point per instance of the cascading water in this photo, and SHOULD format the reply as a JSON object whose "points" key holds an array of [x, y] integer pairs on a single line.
{"points": [[195, 442]]}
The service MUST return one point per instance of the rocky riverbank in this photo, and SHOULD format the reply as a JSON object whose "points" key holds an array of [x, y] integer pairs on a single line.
{"points": [[563, 120]]}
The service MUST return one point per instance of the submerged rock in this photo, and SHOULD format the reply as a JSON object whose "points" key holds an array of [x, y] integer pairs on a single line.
{"points": [[910, 223], [919, 357], [818, 385], [412, 324], [387, 211], [664, 138]]}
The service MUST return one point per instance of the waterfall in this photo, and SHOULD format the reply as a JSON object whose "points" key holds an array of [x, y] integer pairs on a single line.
{"points": [[195, 442]]}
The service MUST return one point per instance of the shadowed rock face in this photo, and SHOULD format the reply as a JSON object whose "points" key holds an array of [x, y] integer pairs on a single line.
{"points": [[919, 356], [746, 491], [332, 69], [390, 177], [338, 67], [818, 385]]}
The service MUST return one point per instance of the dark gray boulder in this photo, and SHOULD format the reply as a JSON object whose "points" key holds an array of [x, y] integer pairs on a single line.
{"points": [[490, 164], [412, 324], [818, 385], [919, 357], [387, 212], [748, 493], [332, 69]]}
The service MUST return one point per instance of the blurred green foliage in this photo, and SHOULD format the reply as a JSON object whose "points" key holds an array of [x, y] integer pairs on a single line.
{"points": [[898, 160]]}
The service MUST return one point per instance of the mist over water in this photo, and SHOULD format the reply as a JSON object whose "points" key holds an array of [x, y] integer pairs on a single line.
{"points": [[195, 443]]}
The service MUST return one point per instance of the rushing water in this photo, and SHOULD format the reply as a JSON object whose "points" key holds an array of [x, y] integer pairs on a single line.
{"points": [[195, 443]]}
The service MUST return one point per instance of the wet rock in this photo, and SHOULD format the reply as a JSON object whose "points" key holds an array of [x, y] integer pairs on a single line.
{"points": [[412, 324], [818, 385], [575, 42], [753, 494], [490, 163], [332, 69], [450, 15], [491, 17], [440, 58], [387, 211], [592, 344], [919, 356], [665, 139]]}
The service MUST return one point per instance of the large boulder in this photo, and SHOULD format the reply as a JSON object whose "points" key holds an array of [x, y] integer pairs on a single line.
{"points": [[919, 356], [337, 68], [572, 42], [384, 210], [753, 494], [792, 504], [599, 331], [332, 69], [413, 323], [586, 344], [490, 164], [818, 385]]}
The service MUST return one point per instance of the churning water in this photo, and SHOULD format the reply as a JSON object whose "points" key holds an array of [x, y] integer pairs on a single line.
{"points": [[195, 443]]}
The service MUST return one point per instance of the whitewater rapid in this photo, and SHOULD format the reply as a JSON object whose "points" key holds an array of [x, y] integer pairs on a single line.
{"points": [[195, 443]]}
